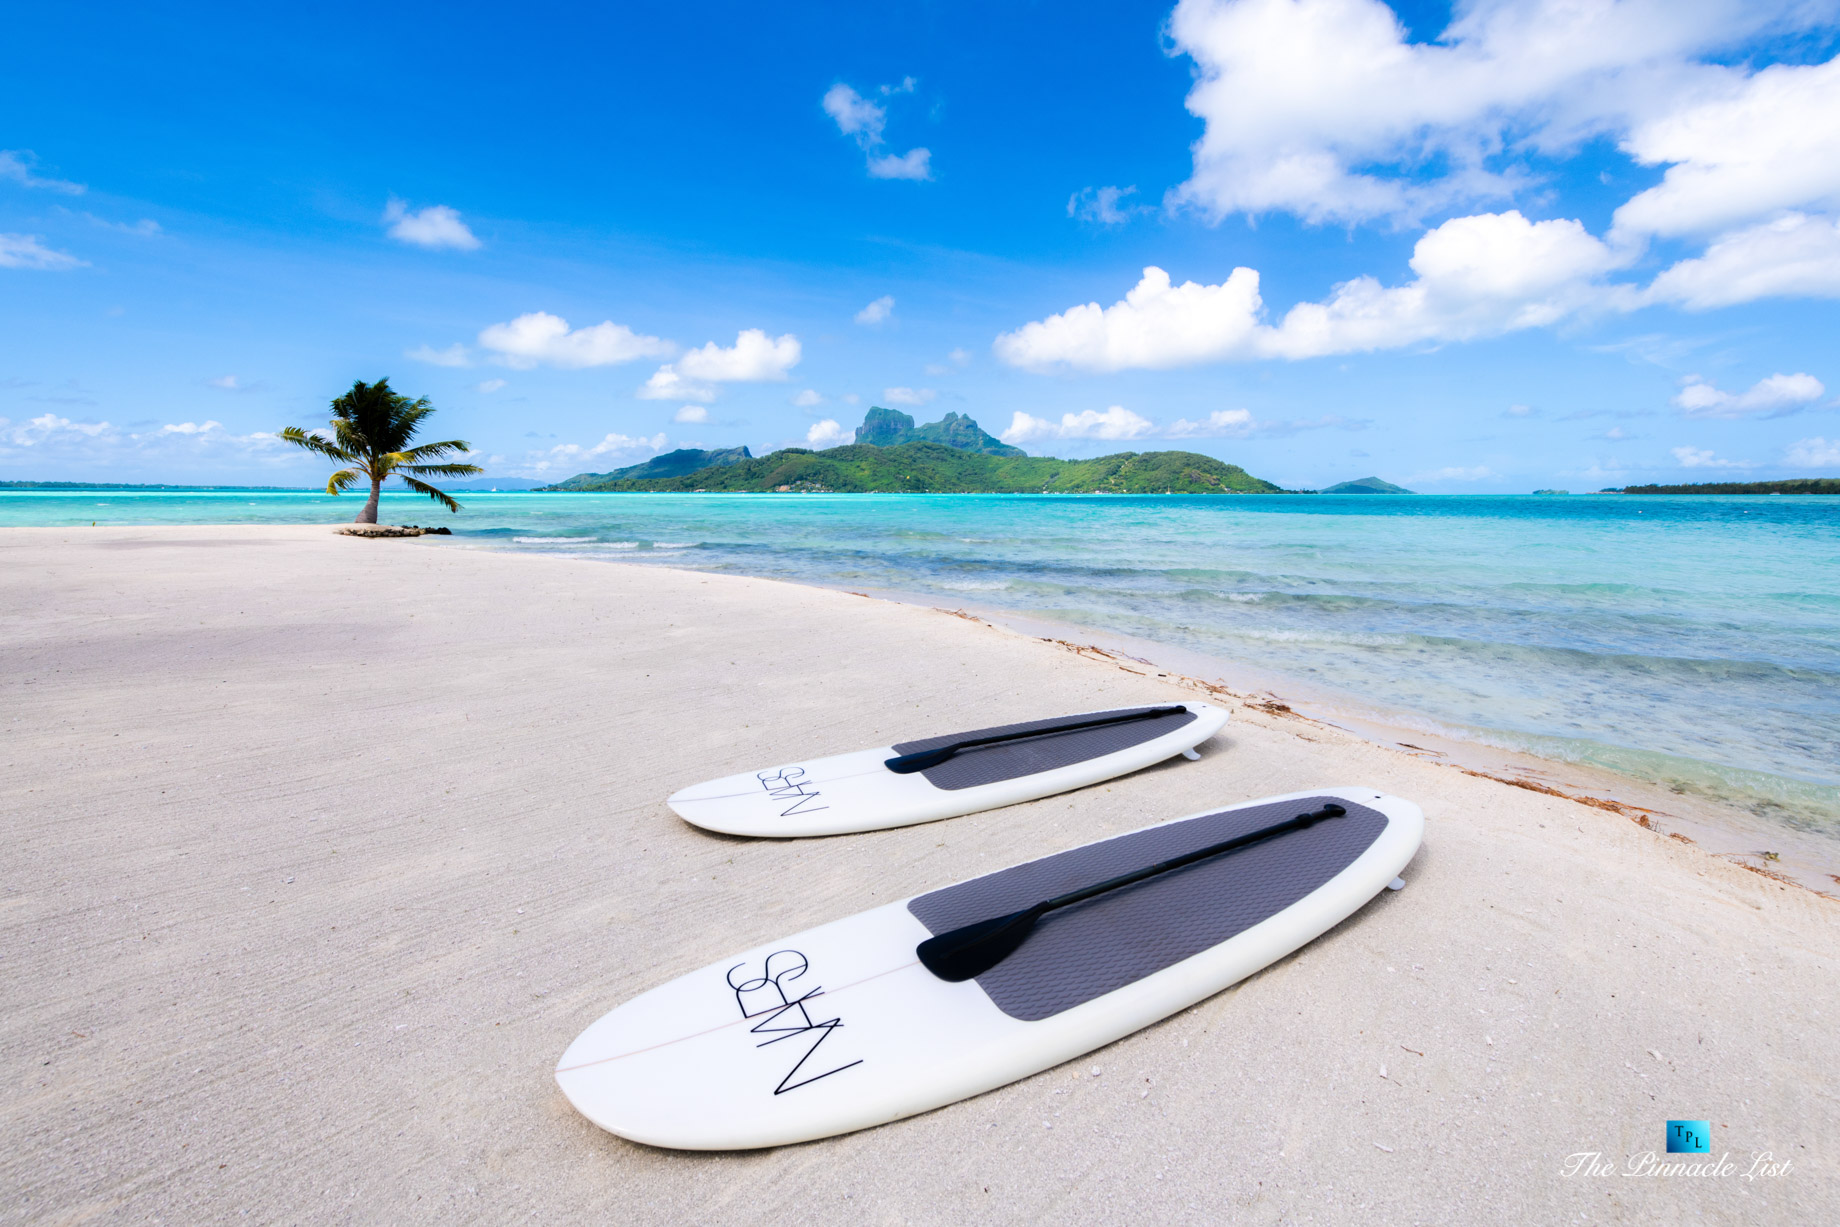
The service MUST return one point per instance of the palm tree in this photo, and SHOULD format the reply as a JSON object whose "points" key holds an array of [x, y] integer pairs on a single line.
{"points": [[371, 430]]}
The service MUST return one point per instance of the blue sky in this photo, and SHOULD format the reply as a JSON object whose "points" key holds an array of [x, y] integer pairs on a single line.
{"points": [[1498, 246]]}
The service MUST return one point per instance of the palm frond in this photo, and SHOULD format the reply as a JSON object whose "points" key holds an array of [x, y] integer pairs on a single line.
{"points": [[434, 451], [317, 443], [341, 481], [422, 487], [440, 470]]}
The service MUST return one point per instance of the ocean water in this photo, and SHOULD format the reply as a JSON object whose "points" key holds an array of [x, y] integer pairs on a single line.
{"points": [[1693, 641]]}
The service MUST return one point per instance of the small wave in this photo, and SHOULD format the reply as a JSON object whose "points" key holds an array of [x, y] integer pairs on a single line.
{"points": [[974, 585], [674, 545], [618, 545], [553, 540], [1246, 598]]}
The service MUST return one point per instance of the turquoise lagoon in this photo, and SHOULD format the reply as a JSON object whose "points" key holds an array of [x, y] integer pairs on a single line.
{"points": [[1689, 640]]}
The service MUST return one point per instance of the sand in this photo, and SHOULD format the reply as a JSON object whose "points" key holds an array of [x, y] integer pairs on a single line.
{"points": [[320, 850]]}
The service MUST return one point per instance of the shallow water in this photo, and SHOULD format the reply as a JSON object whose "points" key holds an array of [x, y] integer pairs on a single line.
{"points": [[1689, 640]]}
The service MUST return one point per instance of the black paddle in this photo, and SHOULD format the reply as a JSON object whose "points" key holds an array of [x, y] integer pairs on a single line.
{"points": [[973, 949], [920, 760]]}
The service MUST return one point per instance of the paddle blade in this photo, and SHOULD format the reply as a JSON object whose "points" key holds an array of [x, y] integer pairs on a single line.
{"points": [[907, 764], [960, 954]]}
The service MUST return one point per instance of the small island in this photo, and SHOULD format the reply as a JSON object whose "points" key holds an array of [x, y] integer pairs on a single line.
{"points": [[951, 456], [1799, 485], [1365, 485]]}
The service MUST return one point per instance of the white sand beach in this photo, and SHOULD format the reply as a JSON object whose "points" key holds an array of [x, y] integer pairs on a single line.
{"points": [[320, 851]]}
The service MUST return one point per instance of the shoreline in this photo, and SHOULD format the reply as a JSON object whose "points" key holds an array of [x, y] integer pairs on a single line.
{"points": [[321, 850]]}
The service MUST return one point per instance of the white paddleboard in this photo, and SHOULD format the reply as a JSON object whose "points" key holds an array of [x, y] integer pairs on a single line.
{"points": [[857, 792], [840, 1027]]}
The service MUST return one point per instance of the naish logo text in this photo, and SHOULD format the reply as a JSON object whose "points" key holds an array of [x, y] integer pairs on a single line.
{"points": [[788, 784], [784, 1016]]}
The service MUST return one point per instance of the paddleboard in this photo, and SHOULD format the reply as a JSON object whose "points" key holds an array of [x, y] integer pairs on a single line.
{"points": [[1020, 762], [840, 1027]]}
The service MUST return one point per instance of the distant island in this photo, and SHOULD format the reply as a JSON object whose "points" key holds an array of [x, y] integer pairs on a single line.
{"points": [[1365, 485], [1800, 485], [950, 456]]}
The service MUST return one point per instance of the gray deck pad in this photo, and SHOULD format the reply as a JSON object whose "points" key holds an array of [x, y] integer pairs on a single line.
{"points": [[1087, 950], [994, 764]]}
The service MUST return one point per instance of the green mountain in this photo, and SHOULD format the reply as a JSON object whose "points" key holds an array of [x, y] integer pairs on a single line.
{"points": [[1800, 485], [933, 468], [670, 464], [1366, 485], [891, 428]]}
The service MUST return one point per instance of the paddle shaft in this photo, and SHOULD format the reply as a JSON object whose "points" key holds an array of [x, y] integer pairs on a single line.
{"points": [[971, 950], [920, 760], [1298, 823]]}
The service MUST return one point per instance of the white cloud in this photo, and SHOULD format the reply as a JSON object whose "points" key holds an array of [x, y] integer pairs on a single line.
{"points": [[1116, 422], [916, 163], [571, 456], [1703, 458], [145, 228], [1792, 256], [434, 227], [753, 357], [808, 398], [667, 384], [453, 355], [29, 251], [16, 165], [50, 436], [828, 433], [878, 311], [1775, 396], [541, 338], [1222, 423], [1477, 276], [1327, 109], [1759, 145], [1101, 205], [1157, 325], [190, 428], [227, 382], [691, 414], [855, 115], [1458, 473], [1815, 453], [908, 396], [864, 121], [489, 386]]}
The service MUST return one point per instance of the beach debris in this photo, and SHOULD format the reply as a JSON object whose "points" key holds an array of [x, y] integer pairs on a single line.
{"points": [[1383, 1071], [1415, 1052], [1387, 1149], [391, 530]]}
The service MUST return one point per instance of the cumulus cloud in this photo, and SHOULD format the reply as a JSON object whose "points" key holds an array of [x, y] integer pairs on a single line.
{"points": [[864, 121], [1775, 396], [694, 414], [1703, 458], [1815, 453], [914, 164], [434, 227], [453, 355], [1760, 145], [1240, 424], [1116, 422], [16, 166], [828, 433], [51, 436], [1477, 276], [1794, 256], [667, 384], [908, 396], [571, 456], [808, 398], [29, 251], [539, 338], [878, 311], [754, 357], [1101, 205], [1327, 108]]}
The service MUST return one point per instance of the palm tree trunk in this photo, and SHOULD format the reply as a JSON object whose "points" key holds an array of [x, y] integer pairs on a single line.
{"points": [[369, 514]]}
